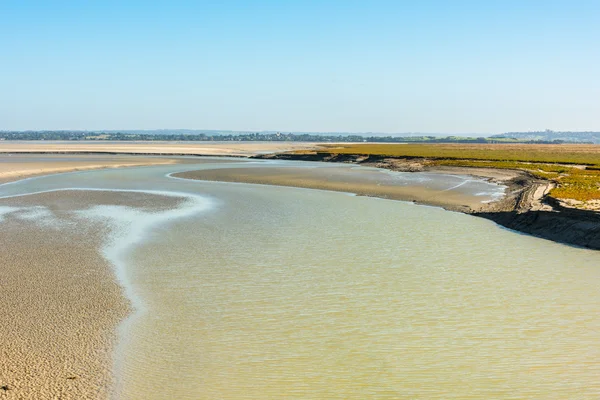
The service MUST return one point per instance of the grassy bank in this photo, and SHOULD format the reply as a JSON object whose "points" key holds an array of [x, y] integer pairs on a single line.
{"points": [[575, 169]]}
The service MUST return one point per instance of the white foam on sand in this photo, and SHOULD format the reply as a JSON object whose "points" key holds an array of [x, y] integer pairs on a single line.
{"points": [[459, 185], [129, 228], [495, 195], [38, 215], [5, 210]]}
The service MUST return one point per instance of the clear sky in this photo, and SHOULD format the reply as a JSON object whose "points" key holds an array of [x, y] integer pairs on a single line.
{"points": [[341, 65]]}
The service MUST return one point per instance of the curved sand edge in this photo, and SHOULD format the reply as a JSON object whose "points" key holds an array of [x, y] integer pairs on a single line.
{"points": [[11, 173], [61, 299], [61, 306], [525, 208], [340, 180]]}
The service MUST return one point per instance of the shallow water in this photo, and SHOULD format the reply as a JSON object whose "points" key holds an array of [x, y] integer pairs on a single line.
{"points": [[257, 292]]}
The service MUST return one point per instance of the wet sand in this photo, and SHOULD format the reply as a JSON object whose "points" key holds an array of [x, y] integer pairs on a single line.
{"points": [[60, 300], [341, 180], [18, 166], [20, 160]]}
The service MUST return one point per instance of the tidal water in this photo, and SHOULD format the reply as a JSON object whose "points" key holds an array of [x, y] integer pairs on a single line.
{"points": [[260, 292]]}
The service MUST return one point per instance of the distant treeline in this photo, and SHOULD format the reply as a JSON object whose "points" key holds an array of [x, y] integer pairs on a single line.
{"points": [[256, 137]]}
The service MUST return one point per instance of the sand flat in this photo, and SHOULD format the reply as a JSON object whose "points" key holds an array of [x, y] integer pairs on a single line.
{"points": [[240, 149], [21, 159], [18, 166], [60, 308], [60, 300], [338, 179]]}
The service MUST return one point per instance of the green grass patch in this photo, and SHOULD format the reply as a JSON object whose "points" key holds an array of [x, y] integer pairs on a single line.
{"points": [[563, 154], [550, 162]]}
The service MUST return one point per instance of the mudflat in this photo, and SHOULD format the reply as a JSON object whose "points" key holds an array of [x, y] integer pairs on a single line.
{"points": [[341, 180], [60, 300]]}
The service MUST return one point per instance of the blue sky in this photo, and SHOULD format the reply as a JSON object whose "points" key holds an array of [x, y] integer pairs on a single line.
{"points": [[352, 66]]}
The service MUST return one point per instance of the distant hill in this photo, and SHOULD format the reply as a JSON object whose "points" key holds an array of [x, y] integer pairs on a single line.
{"points": [[549, 136]]}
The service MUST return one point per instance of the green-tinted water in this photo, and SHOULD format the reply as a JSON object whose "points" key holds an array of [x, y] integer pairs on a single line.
{"points": [[270, 292]]}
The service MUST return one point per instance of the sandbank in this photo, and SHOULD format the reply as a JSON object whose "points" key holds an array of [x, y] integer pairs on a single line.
{"points": [[14, 167], [60, 301], [364, 183]]}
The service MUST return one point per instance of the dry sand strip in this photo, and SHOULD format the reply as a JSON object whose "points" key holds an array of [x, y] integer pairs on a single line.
{"points": [[237, 149], [59, 300], [338, 179]]}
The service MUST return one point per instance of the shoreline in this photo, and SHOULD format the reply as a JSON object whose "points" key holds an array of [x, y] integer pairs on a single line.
{"points": [[526, 206], [61, 300], [345, 180], [128, 229], [79, 284], [25, 174], [100, 155], [524, 192], [16, 171]]}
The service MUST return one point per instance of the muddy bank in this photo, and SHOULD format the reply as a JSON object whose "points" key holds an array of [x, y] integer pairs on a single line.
{"points": [[366, 183], [526, 207], [576, 227]]}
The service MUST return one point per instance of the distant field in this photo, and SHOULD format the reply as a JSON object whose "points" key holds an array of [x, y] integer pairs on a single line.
{"points": [[549, 153], [546, 161]]}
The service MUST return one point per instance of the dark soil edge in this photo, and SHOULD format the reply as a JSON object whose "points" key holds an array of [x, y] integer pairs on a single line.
{"points": [[519, 210]]}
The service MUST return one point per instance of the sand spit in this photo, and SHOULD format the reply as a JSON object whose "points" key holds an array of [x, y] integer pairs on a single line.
{"points": [[14, 167], [342, 180], [60, 300]]}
